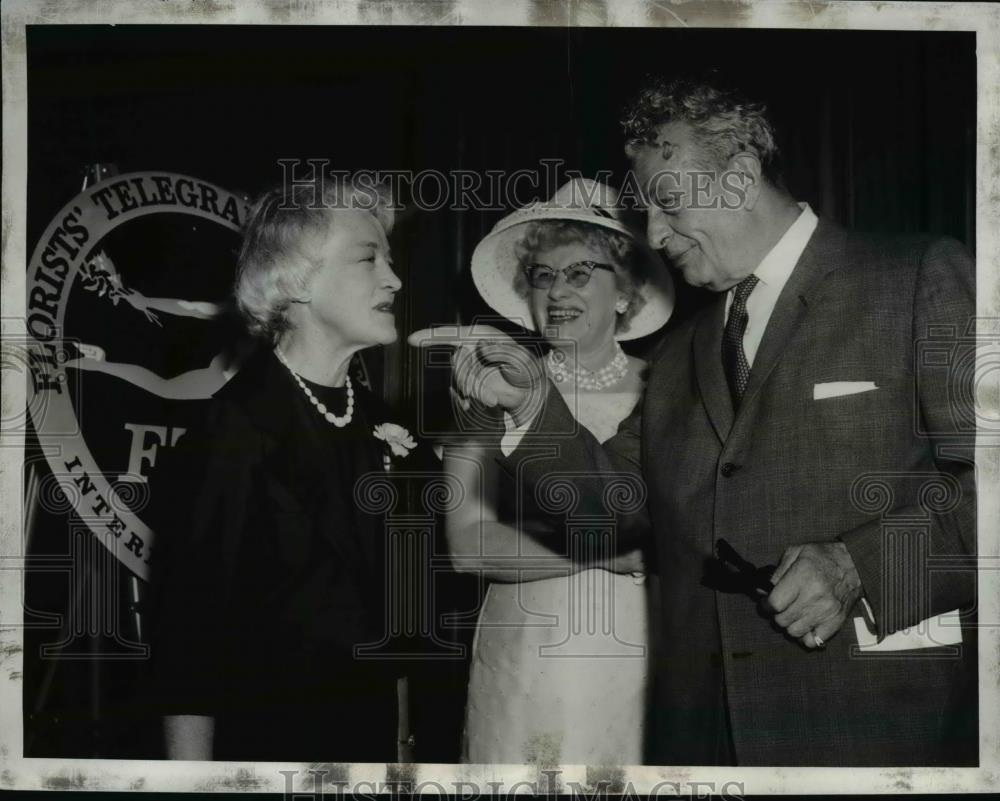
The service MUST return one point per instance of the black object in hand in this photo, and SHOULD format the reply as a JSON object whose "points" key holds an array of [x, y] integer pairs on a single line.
{"points": [[754, 578]]}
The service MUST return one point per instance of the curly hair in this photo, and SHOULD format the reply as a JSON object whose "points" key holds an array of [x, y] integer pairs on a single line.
{"points": [[544, 235], [272, 271], [723, 120]]}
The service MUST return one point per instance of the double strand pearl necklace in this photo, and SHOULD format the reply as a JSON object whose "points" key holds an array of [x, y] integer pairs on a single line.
{"points": [[612, 373], [330, 417]]}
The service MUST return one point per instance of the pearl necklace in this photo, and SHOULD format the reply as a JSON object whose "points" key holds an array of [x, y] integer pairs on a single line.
{"points": [[330, 417], [612, 373]]}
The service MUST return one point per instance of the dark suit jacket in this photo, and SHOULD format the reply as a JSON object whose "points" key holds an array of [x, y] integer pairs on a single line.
{"points": [[888, 471], [269, 575]]}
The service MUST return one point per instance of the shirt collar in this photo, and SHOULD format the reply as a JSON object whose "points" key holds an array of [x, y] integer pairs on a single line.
{"points": [[775, 268]]}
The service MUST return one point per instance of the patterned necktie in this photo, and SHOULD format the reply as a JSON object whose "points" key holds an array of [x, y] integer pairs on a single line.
{"points": [[734, 360]]}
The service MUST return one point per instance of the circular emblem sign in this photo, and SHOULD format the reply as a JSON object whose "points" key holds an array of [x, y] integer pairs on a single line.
{"points": [[131, 332]]}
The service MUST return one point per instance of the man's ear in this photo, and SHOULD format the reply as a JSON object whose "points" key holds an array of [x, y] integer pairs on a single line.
{"points": [[742, 186]]}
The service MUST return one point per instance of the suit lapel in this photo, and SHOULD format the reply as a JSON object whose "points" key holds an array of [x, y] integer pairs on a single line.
{"points": [[707, 346], [823, 253]]}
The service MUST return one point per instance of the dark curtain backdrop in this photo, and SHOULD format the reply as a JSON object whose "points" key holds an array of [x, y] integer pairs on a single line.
{"points": [[877, 131], [877, 128]]}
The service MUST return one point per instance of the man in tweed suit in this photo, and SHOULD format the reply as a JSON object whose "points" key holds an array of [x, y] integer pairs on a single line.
{"points": [[796, 418]]}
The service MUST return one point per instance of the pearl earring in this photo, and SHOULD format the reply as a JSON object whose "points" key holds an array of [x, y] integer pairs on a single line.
{"points": [[621, 306]]}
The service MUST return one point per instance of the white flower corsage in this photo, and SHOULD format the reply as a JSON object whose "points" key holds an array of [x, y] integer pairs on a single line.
{"points": [[396, 437]]}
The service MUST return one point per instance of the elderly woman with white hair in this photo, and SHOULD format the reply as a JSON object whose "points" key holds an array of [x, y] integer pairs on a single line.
{"points": [[269, 576]]}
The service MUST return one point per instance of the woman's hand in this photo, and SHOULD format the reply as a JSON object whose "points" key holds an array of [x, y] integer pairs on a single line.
{"points": [[633, 561], [490, 368]]}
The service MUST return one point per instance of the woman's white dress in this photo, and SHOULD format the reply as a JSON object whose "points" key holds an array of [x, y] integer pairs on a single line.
{"points": [[560, 666]]}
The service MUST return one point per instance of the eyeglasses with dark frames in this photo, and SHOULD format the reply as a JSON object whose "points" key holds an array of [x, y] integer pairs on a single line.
{"points": [[577, 274]]}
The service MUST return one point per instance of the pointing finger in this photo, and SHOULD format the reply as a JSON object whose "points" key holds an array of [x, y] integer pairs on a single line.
{"points": [[454, 335], [504, 353]]}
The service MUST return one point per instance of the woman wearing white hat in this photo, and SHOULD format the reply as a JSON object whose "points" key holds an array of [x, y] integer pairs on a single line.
{"points": [[560, 660]]}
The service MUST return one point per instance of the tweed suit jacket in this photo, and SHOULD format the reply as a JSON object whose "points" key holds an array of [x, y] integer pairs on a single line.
{"points": [[888, 471]]}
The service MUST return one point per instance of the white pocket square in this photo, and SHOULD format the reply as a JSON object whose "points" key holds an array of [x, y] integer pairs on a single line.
{"points": [[933, 632], [834, 389]]}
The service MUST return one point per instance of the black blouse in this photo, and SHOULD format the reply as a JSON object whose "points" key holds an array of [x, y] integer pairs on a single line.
{"points": [[268, 575]]}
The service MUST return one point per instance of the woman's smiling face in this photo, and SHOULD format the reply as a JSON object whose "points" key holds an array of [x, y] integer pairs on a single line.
{"points": [[585, 315]]}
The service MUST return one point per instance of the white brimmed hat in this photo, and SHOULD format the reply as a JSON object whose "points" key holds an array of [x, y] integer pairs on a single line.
{"points": [[495, 261]]}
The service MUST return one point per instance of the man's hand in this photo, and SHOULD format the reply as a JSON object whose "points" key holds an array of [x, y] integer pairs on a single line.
{"points": [[815, 587], [489, 367]]}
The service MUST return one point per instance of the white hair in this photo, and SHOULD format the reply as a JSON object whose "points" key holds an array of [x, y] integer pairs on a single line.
{"points": [[272, 271]]}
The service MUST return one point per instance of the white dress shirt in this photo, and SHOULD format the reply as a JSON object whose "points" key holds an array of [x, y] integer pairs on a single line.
{"points": [[773, 273]]}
